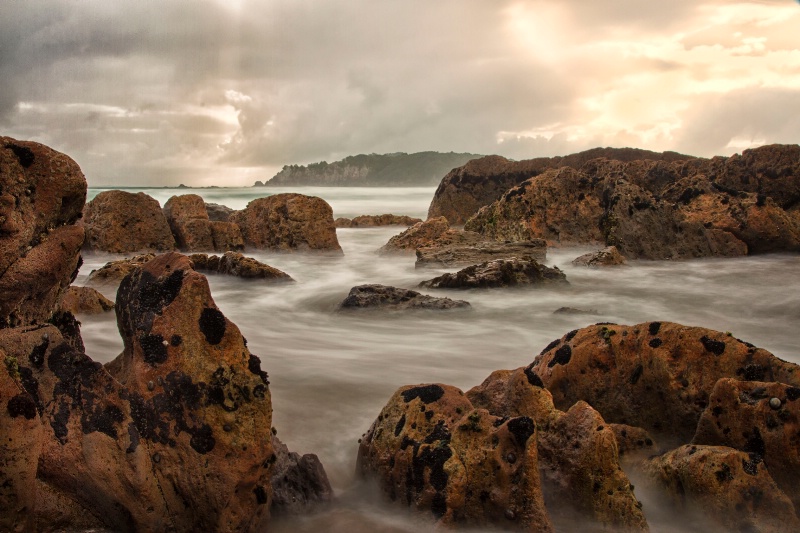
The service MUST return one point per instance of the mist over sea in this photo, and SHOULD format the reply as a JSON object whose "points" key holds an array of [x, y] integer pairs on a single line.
{"points": [[332, 373]]}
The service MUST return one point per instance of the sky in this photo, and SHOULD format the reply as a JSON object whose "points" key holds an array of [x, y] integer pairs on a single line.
{"points": [[226, 92]]}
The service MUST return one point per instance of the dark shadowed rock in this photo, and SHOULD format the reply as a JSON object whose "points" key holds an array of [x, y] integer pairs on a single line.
{"points": [[371, 221], [608, 256], [236, 264], [513, 272], [298, 482], [288, 222], [194, 231], [107, 278], [218, 213], [41, 197], [391, 298], [122, 222], [85, 300], [771, 171], [724, 485], [574, 311], [634, 444], [436, 255]]}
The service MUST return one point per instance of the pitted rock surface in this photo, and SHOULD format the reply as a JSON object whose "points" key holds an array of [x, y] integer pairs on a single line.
{"points": [[123, 222], [383, 297], [371, 221], [85, 300], [512, 272]]}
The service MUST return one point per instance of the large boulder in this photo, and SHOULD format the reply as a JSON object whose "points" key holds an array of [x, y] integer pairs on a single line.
{"points": [[512, 272], [383, 297], [657, 375], [430, 449], [41, 197], [123, 222], [459, 254], [236, 264], [288, 222], [194, 231], [725, 486]]}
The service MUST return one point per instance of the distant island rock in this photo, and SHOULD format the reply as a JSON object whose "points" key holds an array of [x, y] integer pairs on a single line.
{"points": [[373, 170]]}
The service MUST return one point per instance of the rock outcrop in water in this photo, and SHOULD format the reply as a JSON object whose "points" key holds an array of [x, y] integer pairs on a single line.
{"points": [[194, 231], [85, 300], [371, 221], [513, 272], [235, 264], [482, 181], [107, 278], [383, 297], [653, 209], [289, 222], [42, 193], [123, 222]]}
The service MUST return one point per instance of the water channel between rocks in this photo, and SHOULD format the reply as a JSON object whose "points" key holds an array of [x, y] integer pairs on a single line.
{"points": [[331, 373]]}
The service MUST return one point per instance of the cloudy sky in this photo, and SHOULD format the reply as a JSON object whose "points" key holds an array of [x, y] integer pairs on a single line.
{"points": [[225, 92]]}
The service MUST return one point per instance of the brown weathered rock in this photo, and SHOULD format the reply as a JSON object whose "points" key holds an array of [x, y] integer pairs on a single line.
{"points": [[420, 234], [608, 256], [298, 482], [437, 255], [726, 486], [187, 218], [122, 222], [85, 300], [633, 443], [657, 376], [578, 457], [771, 171], [761, 419], [371, 221], [382, 297], [107, 278], [512, 272], [41, 197], [288, 222], [429, 448], [218, 213], [235, 264], [227, 236], [480, 182]]}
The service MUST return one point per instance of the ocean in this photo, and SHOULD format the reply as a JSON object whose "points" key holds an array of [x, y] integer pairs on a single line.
{"points": [[331, 373]]}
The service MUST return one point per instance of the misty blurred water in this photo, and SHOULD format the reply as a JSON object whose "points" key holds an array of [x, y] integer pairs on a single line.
{"points": [[332, 373]]}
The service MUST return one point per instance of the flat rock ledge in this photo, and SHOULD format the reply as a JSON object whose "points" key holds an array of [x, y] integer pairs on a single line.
{"points": [[383, 297], [513, 272], [461, 254]]}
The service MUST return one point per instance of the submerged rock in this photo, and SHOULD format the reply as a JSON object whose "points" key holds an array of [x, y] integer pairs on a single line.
{"points": [[123, 222], [236, 264], [511, 272], [574, 311], [436, 255], [85, 300], [288, 222], [41, 197], [608, 256], [392, 298], [370, 221]]}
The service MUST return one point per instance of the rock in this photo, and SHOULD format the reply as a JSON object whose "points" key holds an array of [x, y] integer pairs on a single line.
{"points": [[436, 255], [578, 457], [218, 213], [123, 222], [391, 298], [288, 222], [657, 375], [608, 256], [41, 197], [761, 419], [298, 483], [769, 171], [107, 278], [574, 311], [235, 264], [634, 444], [511, 272], [725, 486], [226, 236], [188, 220], [480, 182], [429, 448], [420, 234], [370, 221], [85, 300]]}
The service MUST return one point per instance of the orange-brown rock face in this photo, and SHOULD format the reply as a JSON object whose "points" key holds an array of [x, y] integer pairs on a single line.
{"points": [[657, 376], [371, 221], [188, 220], [235, 264], [41, 197], [121, 222], [107, 278], [431, 449], [433, 233], [761, 419], [288, 222], [85, 300], [726, 486], [769, 171]]}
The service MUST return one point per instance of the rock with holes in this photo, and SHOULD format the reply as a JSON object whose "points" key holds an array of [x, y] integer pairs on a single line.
{"points": [[578, 452], [298, 482], [42, 193], [371, 221], [123, 222], [385, 298], [658, 376], [432, 450], [289, 223], [511, 272], [236, 264], [107, 278], [85, 300], [761, 419], [633, 443], [608, 256], [725, 486], [198, 398]]}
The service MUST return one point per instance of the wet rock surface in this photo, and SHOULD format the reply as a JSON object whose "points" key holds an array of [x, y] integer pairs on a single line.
{"points": [[437, 255], [41, 198], [608, 256], [193, 229], [299, 483], [383, 297], [236, 264], [513, 272], [420, 234], [371, 221], [122, 222], [288, 222], [107, 278], [85, 300]]}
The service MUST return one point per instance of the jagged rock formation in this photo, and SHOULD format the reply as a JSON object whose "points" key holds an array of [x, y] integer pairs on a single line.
{"points": [[42, 193], [235, 264], [382, 297], [512, 272], [122, 222], [371, 221], [388, 170], [298, 482], [482, 181], [608, 256]]}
